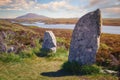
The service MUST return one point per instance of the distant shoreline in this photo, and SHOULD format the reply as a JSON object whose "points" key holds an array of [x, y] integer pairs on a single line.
{"points": [[106, 21]]}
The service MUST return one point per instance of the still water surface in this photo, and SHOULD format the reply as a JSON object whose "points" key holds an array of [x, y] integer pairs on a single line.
{"points": [[105, 29]]}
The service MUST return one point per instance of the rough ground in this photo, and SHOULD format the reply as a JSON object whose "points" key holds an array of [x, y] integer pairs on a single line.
{"points": [[42, 69]]}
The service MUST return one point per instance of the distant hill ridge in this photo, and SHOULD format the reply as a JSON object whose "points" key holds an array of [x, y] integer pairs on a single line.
{"points": [[31, 16]]}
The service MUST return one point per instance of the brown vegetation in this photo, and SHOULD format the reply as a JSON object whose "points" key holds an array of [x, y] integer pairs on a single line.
{"points": [[110, 43], [111, 21], [17, 36], [106, 21]]}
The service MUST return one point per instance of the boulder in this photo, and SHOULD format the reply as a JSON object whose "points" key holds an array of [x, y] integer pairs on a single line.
{"points": [[3, 35], [49, 41], [11, 49], [85, 39], [110, 71], [3, 46]]}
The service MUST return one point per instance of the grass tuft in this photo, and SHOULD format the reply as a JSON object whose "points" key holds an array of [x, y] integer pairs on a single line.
{"points": [[60, 55], [75, 68], [11, 57]]}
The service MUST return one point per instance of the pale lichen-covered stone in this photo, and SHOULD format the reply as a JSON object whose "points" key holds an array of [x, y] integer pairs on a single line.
{"points": [[85, 39], [49, 41]]}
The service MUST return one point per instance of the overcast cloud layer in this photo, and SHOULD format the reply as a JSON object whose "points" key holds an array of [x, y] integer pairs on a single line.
{"points": [[59, 8]]}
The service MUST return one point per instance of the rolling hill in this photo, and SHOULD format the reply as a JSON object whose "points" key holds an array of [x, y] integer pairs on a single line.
{"points": [[31, 16]]}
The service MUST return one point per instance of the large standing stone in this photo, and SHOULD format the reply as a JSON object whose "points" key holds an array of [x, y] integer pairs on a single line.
{"points": [[85, 39], [49, 41]]}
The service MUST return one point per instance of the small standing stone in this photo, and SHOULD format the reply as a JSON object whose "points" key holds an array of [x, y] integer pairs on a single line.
{"points": [[49, 41], [85, 39]]}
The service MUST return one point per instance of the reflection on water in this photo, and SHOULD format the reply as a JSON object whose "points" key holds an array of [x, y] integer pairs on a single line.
{"points": [[105, 29]]}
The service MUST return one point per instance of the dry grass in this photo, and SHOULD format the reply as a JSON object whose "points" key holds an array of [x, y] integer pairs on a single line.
{"points": [[42, 69]]}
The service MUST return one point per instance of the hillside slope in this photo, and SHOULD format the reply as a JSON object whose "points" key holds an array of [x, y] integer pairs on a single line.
{"points": [[15, 37], [31, 16]]}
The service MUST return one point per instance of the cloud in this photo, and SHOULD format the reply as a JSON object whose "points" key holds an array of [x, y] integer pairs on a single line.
{"points": [[4, 2], [56, 5], [113, 12], [32, 5], [103, 4], [109, 8], [93, 2], [71, 7], [52, 5], [113, 9], [18, 5]]}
